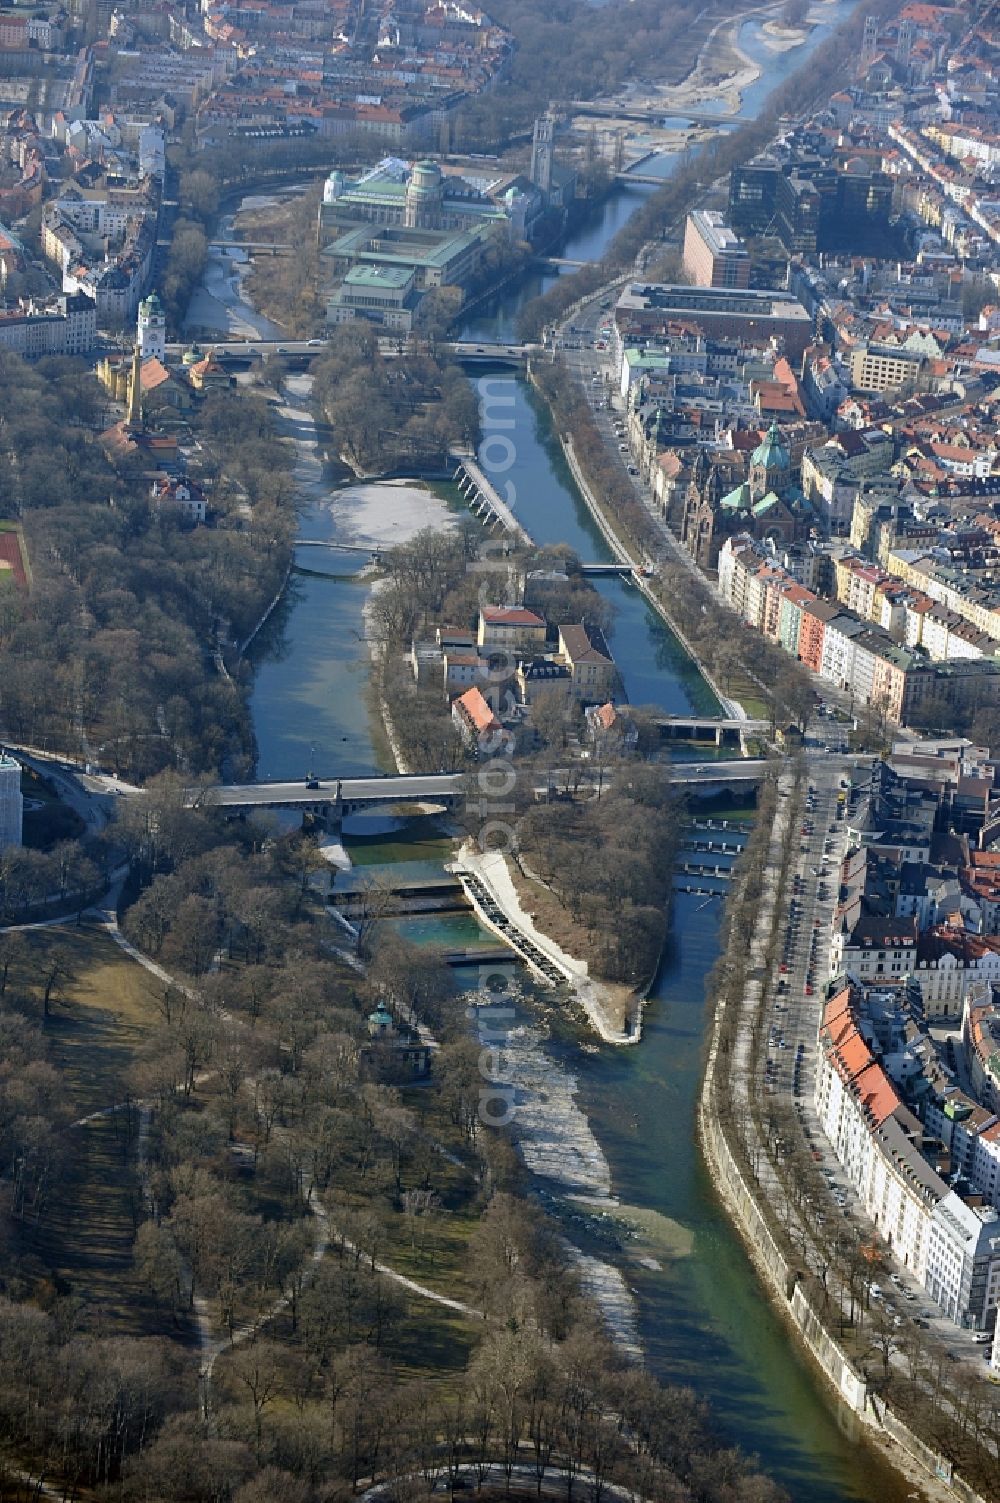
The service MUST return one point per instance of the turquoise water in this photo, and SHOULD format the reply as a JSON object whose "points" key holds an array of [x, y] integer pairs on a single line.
{"points": [[538, 486], [311, 671]]}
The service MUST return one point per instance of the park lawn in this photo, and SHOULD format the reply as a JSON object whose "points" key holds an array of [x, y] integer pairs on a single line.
{"points": [[85, 1242], [99, 1017], [441, 1262], [432, 1343], [742, 687]]}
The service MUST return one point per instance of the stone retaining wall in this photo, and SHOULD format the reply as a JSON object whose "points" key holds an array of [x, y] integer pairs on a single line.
{"points": [[790, 1297]]}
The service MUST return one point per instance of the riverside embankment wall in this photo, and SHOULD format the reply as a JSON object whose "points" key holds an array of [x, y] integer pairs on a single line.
{"points": [[623, 555], [855, 1404]]}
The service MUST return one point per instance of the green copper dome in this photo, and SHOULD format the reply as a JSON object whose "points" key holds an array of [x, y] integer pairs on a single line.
{"points": [[771, 453]]}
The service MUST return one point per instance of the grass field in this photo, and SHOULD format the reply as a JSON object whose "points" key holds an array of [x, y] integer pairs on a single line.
{"points": [[99, 1018], [100, 1015]]}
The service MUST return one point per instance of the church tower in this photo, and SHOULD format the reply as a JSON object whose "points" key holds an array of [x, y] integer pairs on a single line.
{"points": [[152, 329], [133, 416], [769, 465], [541, 153]]}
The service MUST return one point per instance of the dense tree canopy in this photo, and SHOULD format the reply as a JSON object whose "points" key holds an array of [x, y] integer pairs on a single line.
{"points": [[110, 653]]}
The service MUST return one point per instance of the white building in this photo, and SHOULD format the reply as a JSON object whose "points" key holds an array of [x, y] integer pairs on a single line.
{"points": [[953, 1249], [11, 802], [65, 326], [152, 329], [963, 1261]]}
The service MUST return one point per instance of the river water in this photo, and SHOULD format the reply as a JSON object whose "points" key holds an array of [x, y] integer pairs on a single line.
{"points": [[601, 1125]]}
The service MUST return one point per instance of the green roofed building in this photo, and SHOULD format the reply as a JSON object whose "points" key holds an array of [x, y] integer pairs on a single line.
{"points": [[769, 504], [382, 295]]}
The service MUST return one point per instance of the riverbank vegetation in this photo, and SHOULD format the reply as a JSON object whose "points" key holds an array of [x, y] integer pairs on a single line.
{"points": [[108, 656], [598, 869], [598, 51], [394, 413], [263, 1166], [286, 287]]}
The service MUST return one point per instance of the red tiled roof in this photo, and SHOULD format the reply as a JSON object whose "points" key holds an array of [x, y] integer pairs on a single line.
{"points": [[509, 615], [475, 709]]}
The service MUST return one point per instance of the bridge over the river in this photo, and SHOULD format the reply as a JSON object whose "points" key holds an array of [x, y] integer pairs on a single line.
{"points": [[653, 115], [270, 247], [334, 798], [710, 727]]}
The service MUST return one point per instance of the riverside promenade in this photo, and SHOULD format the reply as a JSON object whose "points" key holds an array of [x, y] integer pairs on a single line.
{"points": [[491, 871]]}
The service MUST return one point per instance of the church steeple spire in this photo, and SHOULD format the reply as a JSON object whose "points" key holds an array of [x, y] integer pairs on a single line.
{"points": [[133, 417]]}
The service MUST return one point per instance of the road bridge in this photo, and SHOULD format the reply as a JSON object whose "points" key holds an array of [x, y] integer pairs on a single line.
{"points": [[271, 247], [463, 350], [653, 115], [332, 798], [483, 499], [611, 568], [492, 354]]}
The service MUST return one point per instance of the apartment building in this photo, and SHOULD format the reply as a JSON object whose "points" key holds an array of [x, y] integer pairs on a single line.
{"points": [[884, 367], [713, 255], [65, 326], [950, 1246]]}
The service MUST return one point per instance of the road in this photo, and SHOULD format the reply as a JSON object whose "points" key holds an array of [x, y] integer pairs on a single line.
{"points": [[792, 1047], [257, 348], [418, 787]]}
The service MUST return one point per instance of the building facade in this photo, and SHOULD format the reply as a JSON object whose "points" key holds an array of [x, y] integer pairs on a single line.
{"points": [[11, 802], [713, 254]]}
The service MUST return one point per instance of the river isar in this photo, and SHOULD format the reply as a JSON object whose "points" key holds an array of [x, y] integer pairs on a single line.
{"points": [[609, 1134]]}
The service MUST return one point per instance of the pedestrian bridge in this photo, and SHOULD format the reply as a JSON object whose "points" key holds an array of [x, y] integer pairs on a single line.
{"points": [[709, 728]]}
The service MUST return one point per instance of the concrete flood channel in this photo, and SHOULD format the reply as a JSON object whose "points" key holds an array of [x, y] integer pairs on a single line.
{"points": [[608, 1133]]}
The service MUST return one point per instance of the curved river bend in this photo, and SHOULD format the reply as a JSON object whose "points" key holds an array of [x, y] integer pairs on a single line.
{"points": [[629, 1114]]}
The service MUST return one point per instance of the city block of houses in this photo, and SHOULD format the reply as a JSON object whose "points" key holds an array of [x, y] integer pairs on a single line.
{"points": [[816, 408], [908, 1080], [494, 676]]}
